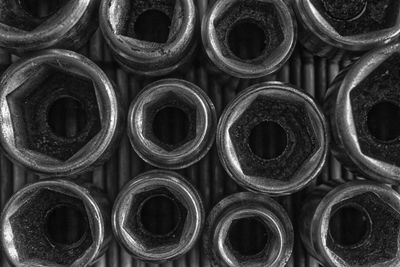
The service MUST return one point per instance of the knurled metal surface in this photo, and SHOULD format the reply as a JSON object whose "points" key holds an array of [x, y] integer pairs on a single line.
{"points": [[310, 73]]}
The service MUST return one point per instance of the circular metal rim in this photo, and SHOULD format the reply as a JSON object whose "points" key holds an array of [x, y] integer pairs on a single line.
{"points": [[231, 206], [192, 151], [225, 150], [177, 184], [100, 143], [96, 221], [320, 222], [123, 49], [240, 68], [319, 26], [44, 37], [343, 116]]}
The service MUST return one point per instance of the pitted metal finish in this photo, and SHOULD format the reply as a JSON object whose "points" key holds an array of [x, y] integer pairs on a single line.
{"points": [[306, 139], [170, 99], [30, 89], [243, 206], [379, 243], [151, 145], [371, 81], [32, 101], [68, 26], [274, 19], [130, 230], [25, 234], [134, 224], [150, 53], [266, 15], [329, 27], [292, 117]]}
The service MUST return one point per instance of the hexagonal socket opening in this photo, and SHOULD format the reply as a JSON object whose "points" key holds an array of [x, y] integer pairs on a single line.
{"points": [[51, 227], [358, 16], [249, 31], [375, 104], [25, 14], [153, 21], [170, 121], [55, 113], [156, 218], [269, 134], [364, 230], [251, 239]]}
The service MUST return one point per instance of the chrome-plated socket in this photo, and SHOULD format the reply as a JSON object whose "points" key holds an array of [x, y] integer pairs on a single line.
{"points": [[67, 25], [60, 115], [158, 216], [355, 224], [248, 229], [172, 123], [272, 138], [363, 105], [328, 27], [249, 39], [150, 37], [56, 223]]}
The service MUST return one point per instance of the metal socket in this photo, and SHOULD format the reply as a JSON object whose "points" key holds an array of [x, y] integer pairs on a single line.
{"points": [[355, 224], [158, 216], [364, 110], [56, 223], [152, 122], [150, 37], [327, 27], [35, 94], [69, 26], [272, 139], [249, 39], [226, 220]]}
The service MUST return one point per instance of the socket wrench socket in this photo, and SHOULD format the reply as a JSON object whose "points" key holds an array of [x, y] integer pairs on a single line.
{"points": [[354, 224], [56, 223], [272, 138], [68, 27], [137, 223], [249, 39], [364, 109], [228, 217], [35, 94], [328, 27], [157, 104], [150, 37]]}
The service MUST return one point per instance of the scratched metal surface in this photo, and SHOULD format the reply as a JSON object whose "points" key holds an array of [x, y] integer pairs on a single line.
{"points": [[307, 72]]}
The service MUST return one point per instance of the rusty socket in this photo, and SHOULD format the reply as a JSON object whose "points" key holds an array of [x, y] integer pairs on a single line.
{"points": [[329, 27], [155, 52], [157, 98], [33, 89], [68, 27], [133, 216], [363, 107], [28, 221], [271, 22], [354, 224], [303, 133], [220, 225]]}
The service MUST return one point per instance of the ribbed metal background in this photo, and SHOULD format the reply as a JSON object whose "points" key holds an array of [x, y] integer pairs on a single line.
{"points": [[303, 70]]}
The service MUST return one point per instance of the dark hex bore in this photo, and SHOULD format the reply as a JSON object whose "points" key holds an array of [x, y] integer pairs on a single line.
{"points": [[170, 100], [293, 118], [381, 86], [380, 244], [34, 102]]}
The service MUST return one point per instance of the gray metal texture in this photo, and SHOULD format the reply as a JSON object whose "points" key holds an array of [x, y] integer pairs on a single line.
{"points": [[303, 70]]}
